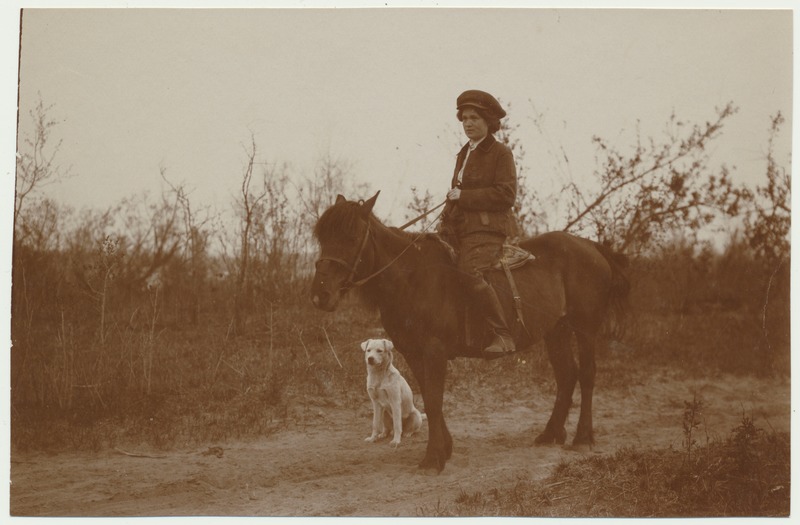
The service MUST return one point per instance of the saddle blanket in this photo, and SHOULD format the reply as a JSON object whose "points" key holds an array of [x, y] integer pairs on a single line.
{"points": [[514, 256]]}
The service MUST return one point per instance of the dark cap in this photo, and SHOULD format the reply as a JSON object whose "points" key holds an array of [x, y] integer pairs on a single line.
{"points": [[481, 100]]}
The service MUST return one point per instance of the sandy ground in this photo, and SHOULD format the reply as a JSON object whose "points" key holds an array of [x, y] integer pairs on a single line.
{"points": [[326, 468]]}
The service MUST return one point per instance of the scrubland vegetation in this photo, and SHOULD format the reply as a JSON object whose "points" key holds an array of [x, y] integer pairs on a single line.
{"points": [[745, 474], [152, 322]]}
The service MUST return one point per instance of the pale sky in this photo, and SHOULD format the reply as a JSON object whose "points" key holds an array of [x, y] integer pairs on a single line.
{"points": [[138, 90]]}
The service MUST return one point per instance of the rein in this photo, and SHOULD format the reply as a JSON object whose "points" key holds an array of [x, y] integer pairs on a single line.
{"points": [[414, 221]]}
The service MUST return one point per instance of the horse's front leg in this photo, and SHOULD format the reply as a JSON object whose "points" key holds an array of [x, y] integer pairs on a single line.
{"points": [[430, 369]]}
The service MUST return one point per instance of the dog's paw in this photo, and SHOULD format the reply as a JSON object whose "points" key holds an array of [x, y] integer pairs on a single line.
{"points": [[394, 443], [371, 439]]}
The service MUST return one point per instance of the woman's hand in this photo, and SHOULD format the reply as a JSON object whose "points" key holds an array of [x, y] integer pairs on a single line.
{"points": [[454, 194]]}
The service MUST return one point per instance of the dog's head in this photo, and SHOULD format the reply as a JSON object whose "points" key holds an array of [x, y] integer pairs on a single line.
{"points": [[377, 352]]}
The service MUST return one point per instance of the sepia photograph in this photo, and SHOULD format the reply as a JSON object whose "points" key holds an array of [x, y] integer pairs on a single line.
{"points": [[418, 260]]}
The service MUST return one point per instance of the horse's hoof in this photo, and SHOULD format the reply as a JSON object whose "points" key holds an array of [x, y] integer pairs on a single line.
{"points": [[427, 471], [581, 443], [583, 448], [551, 438], [432, 465]]}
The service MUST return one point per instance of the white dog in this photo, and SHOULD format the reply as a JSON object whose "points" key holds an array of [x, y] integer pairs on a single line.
{"points": [[393, 407]]}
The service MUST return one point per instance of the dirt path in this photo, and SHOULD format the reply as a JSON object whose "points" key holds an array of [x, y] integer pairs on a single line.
{"points": [[327, 469]]}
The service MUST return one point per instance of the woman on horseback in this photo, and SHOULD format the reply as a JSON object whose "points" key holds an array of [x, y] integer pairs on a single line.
{"points": [[477, 217]]}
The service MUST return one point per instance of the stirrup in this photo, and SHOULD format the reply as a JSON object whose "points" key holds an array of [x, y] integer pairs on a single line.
{"points": [[500, 346]]}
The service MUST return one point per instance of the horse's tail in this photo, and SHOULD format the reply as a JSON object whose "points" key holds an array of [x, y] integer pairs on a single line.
{"points": [[620, 289]]}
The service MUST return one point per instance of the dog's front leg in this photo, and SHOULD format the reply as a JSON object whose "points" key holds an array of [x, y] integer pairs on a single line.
{"points": [[397, 420], [378, 431]]}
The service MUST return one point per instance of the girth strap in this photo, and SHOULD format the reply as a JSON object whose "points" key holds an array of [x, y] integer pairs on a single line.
{"points": [[514, 293]]}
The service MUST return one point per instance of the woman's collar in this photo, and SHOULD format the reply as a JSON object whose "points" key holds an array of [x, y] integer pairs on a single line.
{"points": [[474, 144]]}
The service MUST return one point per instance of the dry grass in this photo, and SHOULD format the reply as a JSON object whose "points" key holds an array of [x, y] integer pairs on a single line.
{"points": [[204, 385], [173, 384], [746, 474]]}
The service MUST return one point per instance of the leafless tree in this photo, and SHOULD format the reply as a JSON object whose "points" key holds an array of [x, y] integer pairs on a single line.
{"points": [[419, 205], [331, 176], [150, 235], [194, 243], [767, 226], [36, 162]]}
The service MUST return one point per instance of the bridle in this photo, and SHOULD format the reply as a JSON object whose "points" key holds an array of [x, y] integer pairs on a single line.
{"points": [[349, 283]]}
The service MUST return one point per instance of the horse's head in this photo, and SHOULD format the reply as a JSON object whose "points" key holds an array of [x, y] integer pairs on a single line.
{"points": [[342, 232]]}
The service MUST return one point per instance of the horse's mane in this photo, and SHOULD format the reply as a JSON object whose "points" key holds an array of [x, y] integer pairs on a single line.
{"points": [[344, 217], [338, 218]]}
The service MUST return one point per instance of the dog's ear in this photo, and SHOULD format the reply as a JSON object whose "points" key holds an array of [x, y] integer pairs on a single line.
{"points": [[388, 346], [364, 345]]}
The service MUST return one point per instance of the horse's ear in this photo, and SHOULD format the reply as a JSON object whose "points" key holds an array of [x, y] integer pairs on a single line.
{"points": [[368, 204], [340, 198], [364, 344]]}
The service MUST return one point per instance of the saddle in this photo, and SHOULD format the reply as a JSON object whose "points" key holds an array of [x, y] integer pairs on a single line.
{"points": [[513, 257]]}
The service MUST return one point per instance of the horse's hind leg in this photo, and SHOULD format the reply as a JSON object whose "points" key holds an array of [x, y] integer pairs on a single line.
{"points": [[586, 353], [566, 373]]}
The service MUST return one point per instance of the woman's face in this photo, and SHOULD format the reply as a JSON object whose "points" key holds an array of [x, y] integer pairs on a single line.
{"points": [[474, 126]]}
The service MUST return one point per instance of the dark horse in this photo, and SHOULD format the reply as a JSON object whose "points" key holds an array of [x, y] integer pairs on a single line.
{"points": [[570, 288]]}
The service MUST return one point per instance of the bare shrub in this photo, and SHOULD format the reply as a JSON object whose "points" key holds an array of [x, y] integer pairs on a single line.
{"points": [[659, 188], [767, 225]]}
